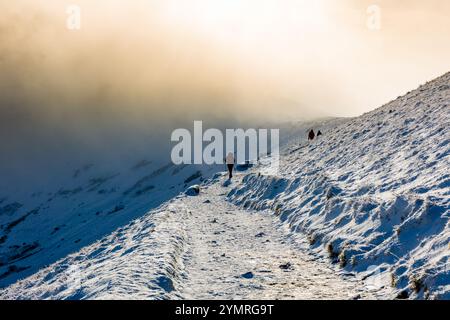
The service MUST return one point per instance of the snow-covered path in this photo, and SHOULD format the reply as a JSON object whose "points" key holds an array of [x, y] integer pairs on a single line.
{"points": [[200, 247], [240, 254]]}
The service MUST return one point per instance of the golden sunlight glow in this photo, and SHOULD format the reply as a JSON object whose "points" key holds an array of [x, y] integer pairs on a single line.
{"points": [[237, 19], [295, 58]]}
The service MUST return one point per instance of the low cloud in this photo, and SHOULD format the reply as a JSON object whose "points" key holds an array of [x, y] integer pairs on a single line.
{"points": [[137, 70]]}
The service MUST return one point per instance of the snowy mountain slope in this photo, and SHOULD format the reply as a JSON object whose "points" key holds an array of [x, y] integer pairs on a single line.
{"points": [[43, 222], [374, 193], [192, 247], [371, 195], [134, 260], [39, 229]]}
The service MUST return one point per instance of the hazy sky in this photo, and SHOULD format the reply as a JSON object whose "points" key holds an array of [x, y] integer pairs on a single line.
{"points": [[261, 58], [138, 69]]}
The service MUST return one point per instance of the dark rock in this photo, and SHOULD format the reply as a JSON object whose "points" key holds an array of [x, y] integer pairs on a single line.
{"points": [[141, 164], [117, 208], [193, 191], [12, 269], [165, 283], [287, 266], [403, 295]]}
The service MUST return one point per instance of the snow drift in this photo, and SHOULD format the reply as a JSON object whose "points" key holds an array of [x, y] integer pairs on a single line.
{"points": [[373, 193]]}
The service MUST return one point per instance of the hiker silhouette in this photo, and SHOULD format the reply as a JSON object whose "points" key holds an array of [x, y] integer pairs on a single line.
{"points": [[311, 135], [230, 164]]}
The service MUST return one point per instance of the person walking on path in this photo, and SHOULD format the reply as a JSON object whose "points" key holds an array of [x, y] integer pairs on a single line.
{"points": [[230, 164]]}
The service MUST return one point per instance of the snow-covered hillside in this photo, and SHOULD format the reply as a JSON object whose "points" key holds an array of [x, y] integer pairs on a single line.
{"points": [[368, 199], [373, 193], [40, 228], [44, 219]]}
